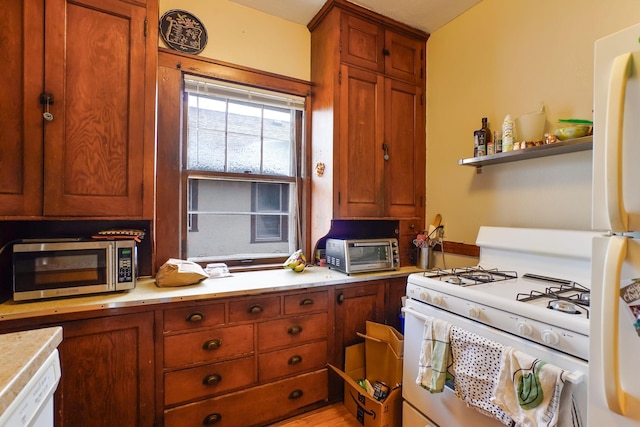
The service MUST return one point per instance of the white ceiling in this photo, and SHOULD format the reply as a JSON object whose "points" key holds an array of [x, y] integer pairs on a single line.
{"points": [[425, 15]]}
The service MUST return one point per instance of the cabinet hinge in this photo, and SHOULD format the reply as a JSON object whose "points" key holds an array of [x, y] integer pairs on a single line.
{"points": [[422, 99], [421, 73], [339, 77], [146, 27], [339, 194]]}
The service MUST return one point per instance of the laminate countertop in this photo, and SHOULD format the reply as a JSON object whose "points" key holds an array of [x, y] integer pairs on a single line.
{"points": [[147, 292], [21, 355]]}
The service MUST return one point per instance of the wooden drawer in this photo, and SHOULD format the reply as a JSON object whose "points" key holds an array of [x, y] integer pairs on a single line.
{"points": [[204, 381], [291, 361], [198, 316], [306, 303], [208, 346], [292, 331], [254, 309], [253, 406]]}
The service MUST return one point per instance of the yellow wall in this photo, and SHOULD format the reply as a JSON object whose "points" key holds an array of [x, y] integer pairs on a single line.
{"points": [[508, 57], [244, 36]]}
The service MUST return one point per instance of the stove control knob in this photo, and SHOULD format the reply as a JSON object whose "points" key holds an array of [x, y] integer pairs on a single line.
{"points": [[525, 329], [474, 312], [437, 300], [550, 337], [424, 296]]}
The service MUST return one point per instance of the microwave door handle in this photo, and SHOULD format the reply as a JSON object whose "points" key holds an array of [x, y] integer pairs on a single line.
{"points": [[609, 334], [111, 270], [614, 123]]}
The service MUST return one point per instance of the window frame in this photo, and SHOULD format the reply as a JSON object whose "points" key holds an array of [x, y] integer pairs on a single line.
{"points": [[171, 231]]}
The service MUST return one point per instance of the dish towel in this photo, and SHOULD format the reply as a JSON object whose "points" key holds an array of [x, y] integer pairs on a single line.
{"points": [[529, 389], [435, 355], [476, 365]]}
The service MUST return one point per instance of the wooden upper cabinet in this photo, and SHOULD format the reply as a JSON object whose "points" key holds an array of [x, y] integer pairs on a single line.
{"points": [[94, 157], [21, 118], [370, 45]]}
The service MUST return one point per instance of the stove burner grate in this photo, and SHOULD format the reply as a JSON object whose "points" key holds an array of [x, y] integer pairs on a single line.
{"points": [[570, 297], [469, 276]]}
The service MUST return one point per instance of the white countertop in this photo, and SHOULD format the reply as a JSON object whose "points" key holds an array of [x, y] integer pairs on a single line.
{"points": [[146, 291], [21, 355]]}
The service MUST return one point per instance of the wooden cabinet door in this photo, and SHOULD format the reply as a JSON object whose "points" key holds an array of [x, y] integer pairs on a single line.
{"points": [[362, 43], [395, 290], [356, 303], [95, 69], [21, 120], [405, 137], [107, 372], [405, 57], [361, 166]]}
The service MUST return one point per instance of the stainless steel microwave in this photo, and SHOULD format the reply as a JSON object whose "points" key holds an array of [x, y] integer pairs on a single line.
{"points": [[362, 255], [65, 268]]}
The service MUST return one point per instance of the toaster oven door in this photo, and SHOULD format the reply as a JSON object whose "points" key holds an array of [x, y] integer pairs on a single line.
{"points": [[369, 256]]}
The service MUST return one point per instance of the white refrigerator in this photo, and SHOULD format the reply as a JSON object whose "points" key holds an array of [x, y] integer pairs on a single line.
{"points": [[614, 354]]}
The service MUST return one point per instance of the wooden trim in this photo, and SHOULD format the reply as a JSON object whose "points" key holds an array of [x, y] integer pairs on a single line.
{"points": [[193, 64], [367, 14], [458, 248]]}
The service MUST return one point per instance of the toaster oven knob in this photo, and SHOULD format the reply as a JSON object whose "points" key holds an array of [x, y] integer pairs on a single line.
{"points": [[437, 300], [525, 329], [550, 337], [474, 312]]}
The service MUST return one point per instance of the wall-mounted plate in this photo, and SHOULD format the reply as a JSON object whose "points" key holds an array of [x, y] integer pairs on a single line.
{"points": [[182, 31]]}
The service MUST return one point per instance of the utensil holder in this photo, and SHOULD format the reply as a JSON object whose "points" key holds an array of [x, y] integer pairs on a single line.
{"points": [[423, 256]]}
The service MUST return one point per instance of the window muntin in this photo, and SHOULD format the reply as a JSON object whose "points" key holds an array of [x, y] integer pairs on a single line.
{"points": [[242, 159]]}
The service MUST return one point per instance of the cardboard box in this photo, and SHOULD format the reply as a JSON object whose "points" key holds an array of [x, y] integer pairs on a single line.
{"points": [[379, 358]]}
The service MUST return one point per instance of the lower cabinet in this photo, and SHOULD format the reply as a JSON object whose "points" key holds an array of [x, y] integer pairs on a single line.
{"points": [[107, 369], [244, 361]]}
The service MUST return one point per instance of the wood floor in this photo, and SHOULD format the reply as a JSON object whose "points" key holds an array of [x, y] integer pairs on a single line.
{"points": [[335, 415]]}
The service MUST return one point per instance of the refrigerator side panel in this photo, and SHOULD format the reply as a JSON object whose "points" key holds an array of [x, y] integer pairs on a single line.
{"points": [[607, 52], [627, 359]]}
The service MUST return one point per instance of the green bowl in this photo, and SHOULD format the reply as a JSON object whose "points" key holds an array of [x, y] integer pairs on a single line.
{"points": [[571, 132]]}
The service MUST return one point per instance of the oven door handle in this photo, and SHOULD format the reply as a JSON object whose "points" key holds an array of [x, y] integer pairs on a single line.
{"points": [[408, 310], [609, 327]]}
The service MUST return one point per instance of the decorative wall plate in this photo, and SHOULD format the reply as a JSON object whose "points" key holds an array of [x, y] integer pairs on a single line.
{"points": [[182, 31]]}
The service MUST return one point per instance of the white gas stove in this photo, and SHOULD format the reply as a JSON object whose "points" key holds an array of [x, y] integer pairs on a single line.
{"points": [[530, 291]]}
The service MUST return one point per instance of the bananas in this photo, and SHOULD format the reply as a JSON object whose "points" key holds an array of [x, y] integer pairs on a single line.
{"points": [[296, 262]]}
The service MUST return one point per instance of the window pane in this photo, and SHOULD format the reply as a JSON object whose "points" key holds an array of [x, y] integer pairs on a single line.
{"points": [[277, 158], [244, 119], [244, 154], [206, 151], [230, 226]]}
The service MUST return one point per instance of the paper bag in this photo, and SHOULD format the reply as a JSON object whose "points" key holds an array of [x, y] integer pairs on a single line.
{"points": [[177, 272]]}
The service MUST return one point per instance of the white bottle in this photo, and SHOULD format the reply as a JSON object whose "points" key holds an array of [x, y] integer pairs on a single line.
{"points": [[507, 134]]}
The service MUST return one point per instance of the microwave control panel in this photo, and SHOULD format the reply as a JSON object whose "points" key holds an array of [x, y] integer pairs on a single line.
{"points": [[125, 264]]}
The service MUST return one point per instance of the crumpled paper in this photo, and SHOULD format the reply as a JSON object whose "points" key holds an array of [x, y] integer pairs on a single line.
{"points": [[177, 272]]}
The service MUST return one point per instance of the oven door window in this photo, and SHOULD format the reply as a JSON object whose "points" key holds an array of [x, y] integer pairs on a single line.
{"points": [[368, 254], [59, 269]]}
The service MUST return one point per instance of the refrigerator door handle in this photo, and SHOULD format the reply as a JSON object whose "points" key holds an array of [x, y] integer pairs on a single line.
{"points": [[620, 73], [609, 345]]}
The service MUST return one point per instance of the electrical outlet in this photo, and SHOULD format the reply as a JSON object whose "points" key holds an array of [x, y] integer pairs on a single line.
{"points": [[443, 231]]}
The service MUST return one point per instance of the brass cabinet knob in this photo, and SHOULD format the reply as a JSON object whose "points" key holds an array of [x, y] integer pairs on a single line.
{"points": [[255, 309], [296, 394], [211, 419], [306, 301], [211, 379], [212, 344], [195, 317], [294, 330], [294, 360]]}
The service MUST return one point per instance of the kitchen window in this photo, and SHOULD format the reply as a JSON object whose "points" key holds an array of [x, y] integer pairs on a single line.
{"points": [[241, 172]]}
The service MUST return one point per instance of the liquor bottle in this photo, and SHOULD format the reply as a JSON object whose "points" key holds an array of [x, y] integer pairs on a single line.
{"points": [[480, 139]]}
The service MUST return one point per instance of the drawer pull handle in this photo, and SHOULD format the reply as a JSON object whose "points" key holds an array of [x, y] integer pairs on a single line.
{"points": [[296, 394], [212, 344], [255, 309], [294, 360], [195, 317], [306, 301], [294, 330], [212, 379], [211, 419]]}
